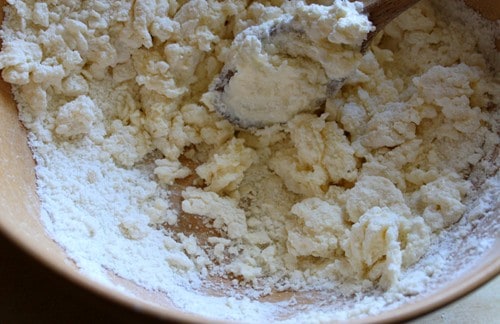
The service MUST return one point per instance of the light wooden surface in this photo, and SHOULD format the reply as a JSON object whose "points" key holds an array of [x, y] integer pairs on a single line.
{"points": [[480, 307]]}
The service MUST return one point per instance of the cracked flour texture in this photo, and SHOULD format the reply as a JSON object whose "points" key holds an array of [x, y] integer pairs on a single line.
{"points": [[350, 206]]}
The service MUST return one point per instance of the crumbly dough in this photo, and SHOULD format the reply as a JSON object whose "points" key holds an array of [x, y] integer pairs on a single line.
{"points": [[284, 66], [353, 194]]}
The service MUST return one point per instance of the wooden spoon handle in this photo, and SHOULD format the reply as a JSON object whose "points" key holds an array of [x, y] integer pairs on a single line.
{"points": [[382, 12]]}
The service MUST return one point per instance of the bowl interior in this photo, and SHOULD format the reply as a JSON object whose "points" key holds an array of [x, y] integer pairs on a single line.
{"points": [[20, 209]]}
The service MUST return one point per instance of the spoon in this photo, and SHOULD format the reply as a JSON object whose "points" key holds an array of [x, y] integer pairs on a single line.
{"points": [[253, 105]]}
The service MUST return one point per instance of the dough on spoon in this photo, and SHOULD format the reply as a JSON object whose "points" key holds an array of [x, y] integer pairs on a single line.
{"points": [[290, 64]]}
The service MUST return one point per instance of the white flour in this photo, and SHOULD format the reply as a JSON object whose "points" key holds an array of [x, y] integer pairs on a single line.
{"points": [[362, 207]]}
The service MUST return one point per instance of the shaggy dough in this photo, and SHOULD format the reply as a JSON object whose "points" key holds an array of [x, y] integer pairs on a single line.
{"points": [[284, 66], [354, 194]]}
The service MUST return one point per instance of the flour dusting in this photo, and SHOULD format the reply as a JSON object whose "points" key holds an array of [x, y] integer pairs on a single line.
{"points": [[362, 201]]}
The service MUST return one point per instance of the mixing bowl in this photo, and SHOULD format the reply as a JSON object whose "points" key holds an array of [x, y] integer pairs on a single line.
{"points": [[19, 221]]}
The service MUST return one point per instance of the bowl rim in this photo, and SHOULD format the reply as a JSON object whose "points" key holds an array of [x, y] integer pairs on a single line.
{"points": [[478, 274]]}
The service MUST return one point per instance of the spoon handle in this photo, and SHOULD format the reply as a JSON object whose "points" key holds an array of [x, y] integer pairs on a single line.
{"points": [[381, 12]]}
